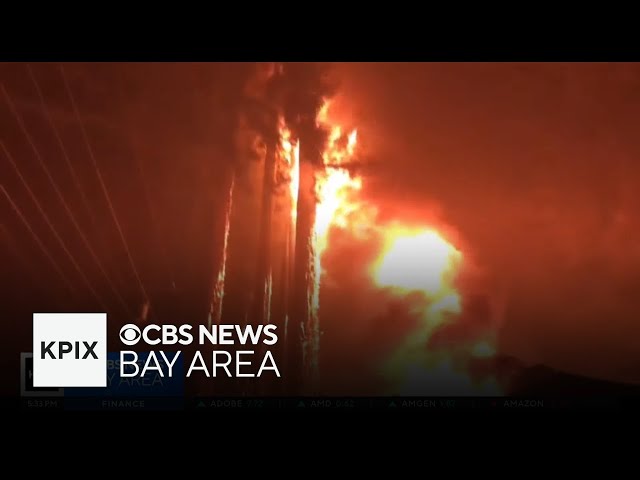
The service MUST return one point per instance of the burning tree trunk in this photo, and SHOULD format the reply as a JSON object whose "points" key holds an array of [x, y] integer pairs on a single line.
{"points": [[215, 314], [261, 312], [285, 200], [243, 241], [263, 286], [303, 331], [276, 255], [249, 283], [303, 335]]}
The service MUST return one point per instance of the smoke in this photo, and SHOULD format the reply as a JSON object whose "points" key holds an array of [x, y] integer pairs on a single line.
{"points": [[307, 86], [534, 166]]}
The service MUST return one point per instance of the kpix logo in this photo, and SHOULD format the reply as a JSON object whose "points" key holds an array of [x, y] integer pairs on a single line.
{"points": [[69, 349]]}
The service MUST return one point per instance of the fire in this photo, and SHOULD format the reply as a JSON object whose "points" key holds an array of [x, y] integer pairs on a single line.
{"points": [[412, 260], [287, 172], [290, 155], [333, 188], [336, 189], [423, 261], [420, 260]]}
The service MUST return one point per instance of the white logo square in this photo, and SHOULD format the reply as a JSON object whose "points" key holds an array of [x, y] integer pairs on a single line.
{"points": [[69, 349]]}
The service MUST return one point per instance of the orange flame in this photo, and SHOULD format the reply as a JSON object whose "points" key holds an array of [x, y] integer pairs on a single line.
{"points": [[412, 260], [422, 260], [335, 189], [290, 155], [288, 168], [417, 260]]}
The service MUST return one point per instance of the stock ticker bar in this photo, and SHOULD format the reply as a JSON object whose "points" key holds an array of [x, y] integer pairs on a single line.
{"points": [[211, 404], [398, 403]]}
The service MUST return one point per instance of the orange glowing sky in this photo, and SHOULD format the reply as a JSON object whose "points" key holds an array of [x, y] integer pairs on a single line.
{"points": [[535, 165]]}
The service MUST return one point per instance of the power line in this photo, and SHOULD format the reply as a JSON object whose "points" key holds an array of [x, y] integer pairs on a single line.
{"points": [[28, 263], [67, 159], [102, 184], [154, 217], [44, 250], [51, 226], [55, 185]]}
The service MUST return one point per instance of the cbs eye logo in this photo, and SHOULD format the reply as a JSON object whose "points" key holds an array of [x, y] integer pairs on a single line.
{"points": [[130, 334]]}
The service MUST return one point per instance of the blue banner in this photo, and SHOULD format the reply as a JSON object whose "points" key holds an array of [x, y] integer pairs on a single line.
{"points": [[152, 384]]}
